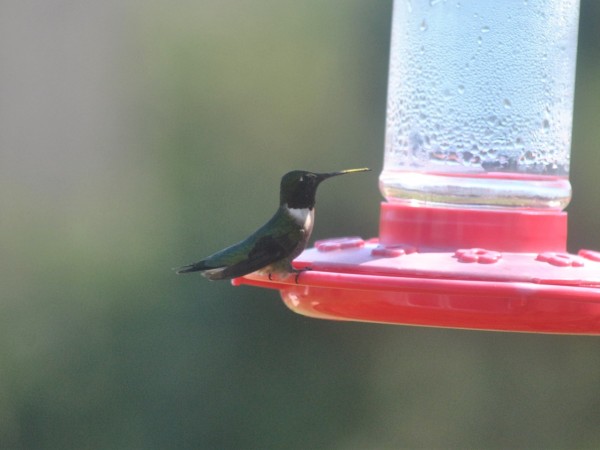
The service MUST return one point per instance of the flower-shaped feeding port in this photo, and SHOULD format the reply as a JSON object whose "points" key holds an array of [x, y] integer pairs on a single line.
{"points": [[472, 232]]}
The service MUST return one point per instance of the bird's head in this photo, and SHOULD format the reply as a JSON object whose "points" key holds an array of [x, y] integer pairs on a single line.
{"points": [[299, 187]]}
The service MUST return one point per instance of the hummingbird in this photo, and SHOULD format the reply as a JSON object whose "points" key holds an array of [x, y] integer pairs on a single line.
{"points": [[273, 247]]}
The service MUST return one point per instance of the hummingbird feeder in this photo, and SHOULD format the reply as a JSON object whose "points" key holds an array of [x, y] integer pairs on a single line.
{"points": [[478, 134]]}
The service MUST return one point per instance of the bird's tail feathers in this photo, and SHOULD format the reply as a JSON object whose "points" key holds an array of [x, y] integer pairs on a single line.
{"points": [[195, 267]]}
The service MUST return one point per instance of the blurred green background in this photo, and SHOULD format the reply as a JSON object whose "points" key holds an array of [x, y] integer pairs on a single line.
{"points": [[136, 136]]}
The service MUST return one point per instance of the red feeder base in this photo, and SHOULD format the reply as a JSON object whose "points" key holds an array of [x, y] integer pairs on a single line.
{"points": [[478, 269]]}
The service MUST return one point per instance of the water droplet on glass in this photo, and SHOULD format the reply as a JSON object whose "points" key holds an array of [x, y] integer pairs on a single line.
{"points": [[423, 26], [507, 104], [461, 89], [485, 29], [545, 124]]}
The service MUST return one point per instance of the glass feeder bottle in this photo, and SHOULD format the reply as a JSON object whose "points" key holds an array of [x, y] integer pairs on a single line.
{"points": [[480, 101]]}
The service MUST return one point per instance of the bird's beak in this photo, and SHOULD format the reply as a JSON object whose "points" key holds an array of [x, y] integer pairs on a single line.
{"points": [[324, 176]]}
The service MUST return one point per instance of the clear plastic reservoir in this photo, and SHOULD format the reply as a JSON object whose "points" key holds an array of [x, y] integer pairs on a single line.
{"points": [[480, 102]]}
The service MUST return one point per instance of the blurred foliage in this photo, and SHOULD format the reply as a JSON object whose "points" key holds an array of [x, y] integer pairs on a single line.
{"points": [[137, 136]]}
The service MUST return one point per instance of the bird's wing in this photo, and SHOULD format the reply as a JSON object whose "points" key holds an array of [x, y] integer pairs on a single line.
{"points": [[259, 250], [267, 250]]}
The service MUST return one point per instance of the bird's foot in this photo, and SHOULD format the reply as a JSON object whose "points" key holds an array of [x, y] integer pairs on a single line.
{"points": [[291, 271], [299, 271]]}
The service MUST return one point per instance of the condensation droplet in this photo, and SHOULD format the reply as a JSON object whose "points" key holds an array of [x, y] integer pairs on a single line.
{"points": [[507, 104], [485, 29], [423, 26], [461, 89], [492, 120], [545, 124]]}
